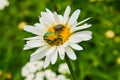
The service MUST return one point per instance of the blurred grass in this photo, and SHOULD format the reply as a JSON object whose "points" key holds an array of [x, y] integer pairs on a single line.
{"points": [[98, 61]]}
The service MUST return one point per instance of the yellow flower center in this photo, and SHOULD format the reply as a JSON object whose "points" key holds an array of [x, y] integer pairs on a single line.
{"points": [[57, 35]]}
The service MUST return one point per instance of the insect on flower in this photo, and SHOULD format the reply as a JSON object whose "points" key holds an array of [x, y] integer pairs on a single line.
{"points": [[58, 27], [52, 38]]}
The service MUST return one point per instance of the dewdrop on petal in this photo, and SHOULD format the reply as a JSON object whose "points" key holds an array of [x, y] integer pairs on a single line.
{"points": [[109, 34]]}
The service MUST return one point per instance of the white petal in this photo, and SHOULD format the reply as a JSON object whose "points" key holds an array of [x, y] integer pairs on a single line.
{"points": [[80, 27], [54, 57], [66, 44], [56, 17], [40, 50], [74, 17], [41, 27], [47, 18], [51, 50], [73, 25], [70, 53], [51, 15], [32, 38], [83, 21], [84, 35], [27, 47], [61, 19], [39, 53], [33, 43], [80, 36], [47, 61], [49, 12], [76, 46], [66, 14], [44, 20], [32, 29], [74, 39], [61, 51]]}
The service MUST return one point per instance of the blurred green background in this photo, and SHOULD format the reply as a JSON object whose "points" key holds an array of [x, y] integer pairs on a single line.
{"points": [[100, 59]]}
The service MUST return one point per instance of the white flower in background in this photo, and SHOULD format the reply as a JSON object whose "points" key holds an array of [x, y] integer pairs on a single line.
{"points": [[31, 67], [57, 34], [25, 72], [61, 77], [30, 77], [38, 65], [3, 4], [40, 74], [50, 75], [63, 69]]}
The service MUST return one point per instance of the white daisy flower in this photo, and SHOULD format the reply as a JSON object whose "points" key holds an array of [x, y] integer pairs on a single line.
{"points": [[3, 4], [39, 75], [50, 75], [30, 77], [57, 34], [63, 69], [31, 68], [61, 77]]}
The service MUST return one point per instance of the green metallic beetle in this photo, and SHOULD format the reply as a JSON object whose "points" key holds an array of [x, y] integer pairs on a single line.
{"points": [[52, 38]]}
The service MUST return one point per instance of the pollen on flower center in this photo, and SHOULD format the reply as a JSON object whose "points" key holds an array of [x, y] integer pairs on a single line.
{"points": [[57, 35]]}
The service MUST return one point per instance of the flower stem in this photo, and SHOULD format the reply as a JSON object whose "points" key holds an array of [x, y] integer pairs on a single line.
{"points": [[70, 68]]}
